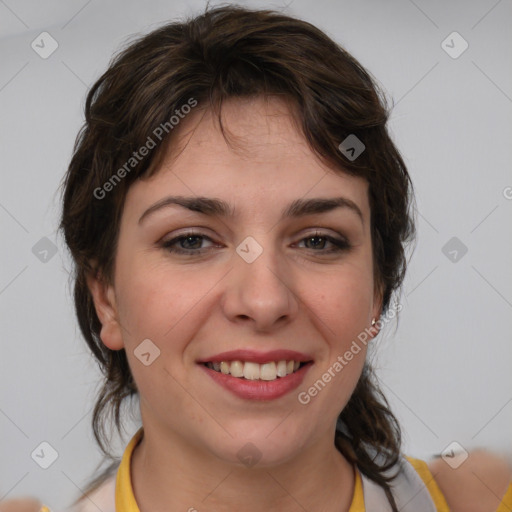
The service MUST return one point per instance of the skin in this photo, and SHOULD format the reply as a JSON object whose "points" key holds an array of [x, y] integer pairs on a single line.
{"points": [[23, 504], [477, 485], [295, 296]]}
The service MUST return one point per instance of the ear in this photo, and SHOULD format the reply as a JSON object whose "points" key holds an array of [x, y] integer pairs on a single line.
{"points": [[106, 308], [377, 309]]}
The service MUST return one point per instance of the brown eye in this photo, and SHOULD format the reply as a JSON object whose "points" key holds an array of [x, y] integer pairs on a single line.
{"points": [[317, 242], [188, 244]]}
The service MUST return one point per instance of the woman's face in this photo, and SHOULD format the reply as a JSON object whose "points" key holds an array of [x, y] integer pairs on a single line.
{"points": [[266, 275]]}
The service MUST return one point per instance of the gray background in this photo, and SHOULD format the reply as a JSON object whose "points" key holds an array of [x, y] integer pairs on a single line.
{"points": [[446, 370]]}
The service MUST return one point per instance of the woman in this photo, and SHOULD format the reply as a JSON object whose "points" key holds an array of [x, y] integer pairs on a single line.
{"points": [[238, 216]]}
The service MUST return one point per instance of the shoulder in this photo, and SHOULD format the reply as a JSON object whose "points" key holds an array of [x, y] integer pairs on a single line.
{"points": [[480, 484], [24, 504], [102, 497]]}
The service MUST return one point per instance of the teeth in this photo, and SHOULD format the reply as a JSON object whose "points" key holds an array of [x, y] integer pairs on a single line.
{"points": [[252, 371], [268, 371], [255, 371], [281, 369], [236, 368]]}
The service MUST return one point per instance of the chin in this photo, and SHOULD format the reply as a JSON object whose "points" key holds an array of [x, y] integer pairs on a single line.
{"points": [[261, 445], [256, 455]]}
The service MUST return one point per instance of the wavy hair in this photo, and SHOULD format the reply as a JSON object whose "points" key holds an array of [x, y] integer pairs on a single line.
{"points": [[232, 52]]}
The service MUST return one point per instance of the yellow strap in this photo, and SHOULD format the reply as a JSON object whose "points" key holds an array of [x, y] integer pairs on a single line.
{"points": [[357, 504], [422, 468], [125, 500], [437, 496], [506, 502]]}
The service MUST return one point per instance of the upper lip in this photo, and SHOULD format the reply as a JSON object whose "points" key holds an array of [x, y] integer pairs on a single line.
{"points": [[257, 357]]}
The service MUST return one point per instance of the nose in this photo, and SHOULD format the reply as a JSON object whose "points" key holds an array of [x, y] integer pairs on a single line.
{"points": [[260, 293]]}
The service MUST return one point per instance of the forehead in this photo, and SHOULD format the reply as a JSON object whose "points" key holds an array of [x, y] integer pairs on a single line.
{"points": [[262, 159], [255, 127]]}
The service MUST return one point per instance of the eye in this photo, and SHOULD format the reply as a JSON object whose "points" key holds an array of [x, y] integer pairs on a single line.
{"points": [[318, 240], [191, 243], [187, 243]]}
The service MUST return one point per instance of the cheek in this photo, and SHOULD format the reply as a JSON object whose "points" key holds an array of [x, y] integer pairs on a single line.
{"points": [[154, 301], [340, 310], [153, 305], [343, 302], [341, 315], [346, 306]]}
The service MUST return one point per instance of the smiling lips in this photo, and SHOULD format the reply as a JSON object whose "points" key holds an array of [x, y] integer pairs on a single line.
{"points": [[255, 371], [258, 375]]}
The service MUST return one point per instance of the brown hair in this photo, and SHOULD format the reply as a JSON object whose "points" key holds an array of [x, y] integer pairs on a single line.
{"points": [[230, 52]]}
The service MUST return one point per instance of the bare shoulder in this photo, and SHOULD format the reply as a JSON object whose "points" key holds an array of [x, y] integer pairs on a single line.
{"points": [[99, 496], [102, 498], [477, 485], [24, 504]]}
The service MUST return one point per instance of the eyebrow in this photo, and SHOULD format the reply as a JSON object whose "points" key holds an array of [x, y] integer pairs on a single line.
{"points": [[214, 207]]}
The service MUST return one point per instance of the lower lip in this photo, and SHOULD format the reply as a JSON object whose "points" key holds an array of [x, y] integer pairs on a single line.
{"points": [[259, 389]]}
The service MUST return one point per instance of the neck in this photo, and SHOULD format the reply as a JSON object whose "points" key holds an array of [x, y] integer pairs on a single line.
{"points": [[165, 471]]}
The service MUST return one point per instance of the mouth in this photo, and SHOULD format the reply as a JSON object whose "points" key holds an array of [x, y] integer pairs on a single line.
{"points": [[258, 376], [248, 370]]}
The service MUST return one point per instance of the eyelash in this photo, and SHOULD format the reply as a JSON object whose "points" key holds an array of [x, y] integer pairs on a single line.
{"points": [[340, 245]]}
